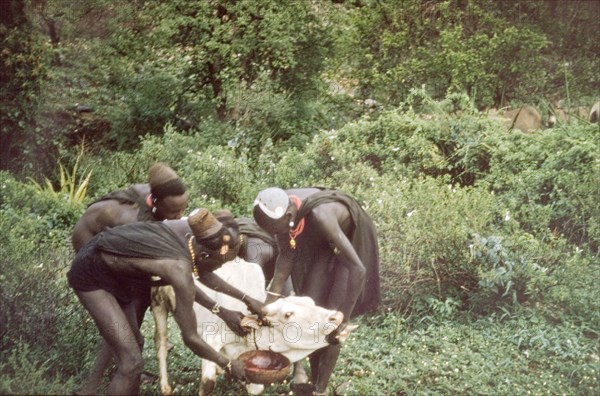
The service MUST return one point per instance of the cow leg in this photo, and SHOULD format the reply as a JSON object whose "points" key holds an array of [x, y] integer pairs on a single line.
{"points": [[160, 314], [209, 377], [255, 389]]}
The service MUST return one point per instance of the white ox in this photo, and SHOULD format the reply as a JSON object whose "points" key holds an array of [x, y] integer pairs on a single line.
{"points": [[297, 329], [525, 118], [595, 113]]}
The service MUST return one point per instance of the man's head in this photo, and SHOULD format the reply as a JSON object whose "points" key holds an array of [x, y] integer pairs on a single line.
{"points": [[228, 221], [272, 210], [218, 241], [169, 195]]}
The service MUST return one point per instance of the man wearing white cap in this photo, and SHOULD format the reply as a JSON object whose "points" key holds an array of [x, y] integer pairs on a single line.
{"points": [[328, 244]]}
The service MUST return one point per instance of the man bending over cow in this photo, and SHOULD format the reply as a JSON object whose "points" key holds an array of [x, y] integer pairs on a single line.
{"points": [[328, 244], [110, 269], [163, 198]]}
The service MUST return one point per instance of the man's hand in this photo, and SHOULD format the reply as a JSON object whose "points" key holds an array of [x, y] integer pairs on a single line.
{"points": [[342, 333], [254, 305], [232, 320], [237, 370]]}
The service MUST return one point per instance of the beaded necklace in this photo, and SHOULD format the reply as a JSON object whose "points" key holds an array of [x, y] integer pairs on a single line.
{"points": [[193, 254], [298, 230]]}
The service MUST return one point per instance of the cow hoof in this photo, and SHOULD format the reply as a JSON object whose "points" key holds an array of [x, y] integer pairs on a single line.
{"points": [[206, 387], [255, 389], [166, 390], [147, 378], [302, 389]]}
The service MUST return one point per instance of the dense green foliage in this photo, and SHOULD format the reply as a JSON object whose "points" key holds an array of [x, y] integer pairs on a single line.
{"points": [[489, 238], [486, 238]]}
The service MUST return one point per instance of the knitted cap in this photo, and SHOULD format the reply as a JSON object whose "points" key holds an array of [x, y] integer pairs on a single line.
{"points": [[164, 181], [203, 224], [273, 202]]}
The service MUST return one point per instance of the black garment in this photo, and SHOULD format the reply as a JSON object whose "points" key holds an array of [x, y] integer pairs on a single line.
{"points": [[249, 228], [253, 243], [132, 197], [363, 237], [151, 240]]}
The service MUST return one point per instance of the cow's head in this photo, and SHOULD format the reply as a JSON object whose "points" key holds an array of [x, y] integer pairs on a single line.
{"points": [[297, 327]]}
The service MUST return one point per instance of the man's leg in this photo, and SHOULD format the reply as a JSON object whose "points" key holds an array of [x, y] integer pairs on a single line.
{"points": [[105, 355], [330, 290], [116, 328], [322, 365], [103, 359]]}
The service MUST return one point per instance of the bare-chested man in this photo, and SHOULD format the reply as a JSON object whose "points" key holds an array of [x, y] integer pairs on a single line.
{"points": [[164, 197], [109, 270], [328, 244]]}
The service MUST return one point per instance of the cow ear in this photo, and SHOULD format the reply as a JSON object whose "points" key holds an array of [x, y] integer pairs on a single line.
{"points": [[345, 333]]}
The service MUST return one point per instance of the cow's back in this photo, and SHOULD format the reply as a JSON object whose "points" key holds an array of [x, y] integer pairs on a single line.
{"points": [[242, 275], [525, 118]]}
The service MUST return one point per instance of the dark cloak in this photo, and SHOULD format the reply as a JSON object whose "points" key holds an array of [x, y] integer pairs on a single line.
{"points": [[363, 237], [150, 240], [131, 196], [249, 228]]}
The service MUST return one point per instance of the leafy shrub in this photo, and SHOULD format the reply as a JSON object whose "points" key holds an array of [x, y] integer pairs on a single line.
{"points": [[24, 371], [217, 179], [38, 307], [548, 182], [511, 270], [425, 227]]}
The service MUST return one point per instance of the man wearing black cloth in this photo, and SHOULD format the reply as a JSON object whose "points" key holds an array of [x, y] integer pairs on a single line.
{"points": [[328, 244], [108, 271], [164, 197]]}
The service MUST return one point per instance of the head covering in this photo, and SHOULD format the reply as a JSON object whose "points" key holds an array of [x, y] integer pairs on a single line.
{"points": [[273, 202], [204, 225], [164, 182]]}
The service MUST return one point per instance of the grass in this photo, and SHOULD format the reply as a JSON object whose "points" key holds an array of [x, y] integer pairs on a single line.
{"points": [[494, 355]]}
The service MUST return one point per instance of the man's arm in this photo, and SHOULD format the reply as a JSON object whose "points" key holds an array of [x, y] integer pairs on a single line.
{"points": [[329, 221], [283, 269], [186, 319]]}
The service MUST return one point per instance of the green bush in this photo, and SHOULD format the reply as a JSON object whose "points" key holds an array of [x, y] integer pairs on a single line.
{"points": [[548, 181], [38, 308], [25, 371]]}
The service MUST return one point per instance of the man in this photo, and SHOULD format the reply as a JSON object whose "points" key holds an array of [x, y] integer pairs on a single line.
{"points": [[108, 272], [255, 245], [328, 244], [164, 197]]}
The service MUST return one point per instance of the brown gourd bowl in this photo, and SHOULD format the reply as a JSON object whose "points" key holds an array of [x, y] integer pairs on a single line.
{"points": [[265, 367]]}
